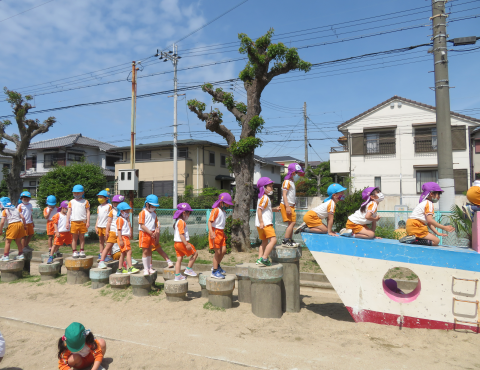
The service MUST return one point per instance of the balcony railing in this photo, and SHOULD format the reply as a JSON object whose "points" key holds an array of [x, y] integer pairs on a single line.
{"points": [[423, 145], [380, 147], [338, 149]]}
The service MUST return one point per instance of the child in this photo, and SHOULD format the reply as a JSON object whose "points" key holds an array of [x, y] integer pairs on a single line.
{"points": [[48, 212], [26, 209], [111, 232], [79, 349], [61, 229], [366, 215], [473, 196], [124, 234], [78, 219], [149, 234], [16, 228], [116, 253], [2, 347], [422, 215], [181, 244], [217, 240], [401, 231], [287, 206], [264, 221], [103, 211], [312, 221]]}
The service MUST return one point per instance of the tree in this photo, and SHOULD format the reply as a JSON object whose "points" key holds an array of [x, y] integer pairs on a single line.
{"points": [[256, 75], [28, 129], [61, 179], [308, 186]]}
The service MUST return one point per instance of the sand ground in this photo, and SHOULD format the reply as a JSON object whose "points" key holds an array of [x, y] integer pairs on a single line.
{"points": [[152, 333]]}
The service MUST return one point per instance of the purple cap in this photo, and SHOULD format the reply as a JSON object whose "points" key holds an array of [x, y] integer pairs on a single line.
{"points": [[182, 207], [261, 183], [224, 197], [366, 194], [294, 167], [118, 198], [427, 188], [64, 204]]}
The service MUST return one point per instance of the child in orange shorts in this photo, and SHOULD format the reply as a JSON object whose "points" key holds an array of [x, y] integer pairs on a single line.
{"points": [[103, 211], [48, 212], [287, 205], [124, 234], [264, 221], [111, 233], [26, 209], [78, 219], [217, 240], [181, 238], [63, 236], [15, 230]]}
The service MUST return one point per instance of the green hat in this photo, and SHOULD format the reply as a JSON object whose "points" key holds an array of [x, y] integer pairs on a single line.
{"points": [[75, 336]]}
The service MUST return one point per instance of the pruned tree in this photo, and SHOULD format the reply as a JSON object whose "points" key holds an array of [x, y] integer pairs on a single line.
{"points": [[27, 130], [265, 61]]}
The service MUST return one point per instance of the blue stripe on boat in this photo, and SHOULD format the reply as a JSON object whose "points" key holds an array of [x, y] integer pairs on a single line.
{"points": [[392, 250]]}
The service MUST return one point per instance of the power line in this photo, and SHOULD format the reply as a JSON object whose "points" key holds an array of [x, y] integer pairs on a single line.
{"points": [[25, 11]]}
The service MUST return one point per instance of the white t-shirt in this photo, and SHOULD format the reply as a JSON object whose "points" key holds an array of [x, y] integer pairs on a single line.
{"points": [[115, 248], [2, 346], [180, 228], [359, 217], [324, 209], [61, 220], [289, 186], [26, 210], [124, 226], [421, 211], [265, 204], [149, 219], [12, 215], [113, 216], [102, 214], [218, 218], [52, 213], [79, 209]]}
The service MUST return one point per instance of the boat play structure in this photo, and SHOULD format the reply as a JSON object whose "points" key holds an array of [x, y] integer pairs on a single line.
{"points": [[446, 296]]}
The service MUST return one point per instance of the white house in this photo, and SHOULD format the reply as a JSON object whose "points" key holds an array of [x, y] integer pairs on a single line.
{"points": [[267, 168], [394, 146]]}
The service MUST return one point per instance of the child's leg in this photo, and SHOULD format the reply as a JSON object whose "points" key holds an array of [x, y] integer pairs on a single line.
{"points": [[101, 240], [106, 250], [50, 242], [433, 238], [103, 345], [269, 247], [178, 264], [261, 248], [320, 229], [75, 360], [6, 251], [82, 241], [28, 239], [475, 208], [289, 230], [74, 242], [217, 257], [121, 259], [223, 252], [365, 234], [193, 257], [146, 253], [54, 250], [19, 245], [162, 253], [129, 258]]}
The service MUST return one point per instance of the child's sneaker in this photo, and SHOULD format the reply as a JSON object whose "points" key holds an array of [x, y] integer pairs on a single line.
{"points": [[301, 228], [190, 272], [346, 232], [132, 270], [146, 272], [169, 264], [134, 262], [290, 244], [102, 265], [108, 259], [179, 277], [151, 271], [264, 263], [421, 241], [99, 258], [217, 275], [409, 239], [82, 254], [50, 260], [75, 254], [59, 254], [20, 257], [468, 212], [222, 271], [5, 259], [121, 271]]}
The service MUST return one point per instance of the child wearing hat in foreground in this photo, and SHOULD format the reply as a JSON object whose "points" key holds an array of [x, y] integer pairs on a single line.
{"points": [[78, 219], [78, 349], [48, 212], [287, 205], [181, 241], [312, 221], [15, 230]]}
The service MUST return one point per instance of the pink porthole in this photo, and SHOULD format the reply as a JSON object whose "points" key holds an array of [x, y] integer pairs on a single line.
{"points": [[401, 285]]}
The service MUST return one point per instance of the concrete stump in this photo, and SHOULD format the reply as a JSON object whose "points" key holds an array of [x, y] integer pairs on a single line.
{"points": [[244, 283], [176, 291], [220, 291], [27, 254], [169, 273], [99, 277], [44, 258], [202, 280], [113, 265], [154, 277], [11, 270], [290, 284], [119, 281], [266, 293], [49, 271], [138, 265], [141, 284], [78, 269]]}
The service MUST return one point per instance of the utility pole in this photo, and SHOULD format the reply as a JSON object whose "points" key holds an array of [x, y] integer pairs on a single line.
{"points": [[442, 105], [133, 119], [305, 133]]}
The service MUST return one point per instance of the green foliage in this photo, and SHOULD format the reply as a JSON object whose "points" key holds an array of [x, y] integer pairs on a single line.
{"points": [[195, 103], [256, 124], [211, 307], [245, 146], [199, 241], [3, 183], [345, 208], [462, 224], [60, 181], [308, 186]]}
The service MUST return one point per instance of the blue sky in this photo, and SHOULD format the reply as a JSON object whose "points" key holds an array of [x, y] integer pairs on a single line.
{"points": [[66, 38]]}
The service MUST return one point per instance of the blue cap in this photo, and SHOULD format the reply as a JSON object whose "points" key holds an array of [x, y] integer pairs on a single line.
{"points": [[334, 189], [152, 199], [122, 207], [51, 200], [77, 189], [25, 194], [103, 193], [7, 203]]}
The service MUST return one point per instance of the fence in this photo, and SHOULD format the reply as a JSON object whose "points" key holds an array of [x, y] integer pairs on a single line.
{"points": [[198, 223]]}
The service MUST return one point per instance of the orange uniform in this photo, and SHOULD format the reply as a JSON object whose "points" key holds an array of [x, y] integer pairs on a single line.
{"points": [[417, 222], [180, 248], [65, 235], [150, 221], [94, 355], [48, 213], [124, 228], [217, 218]]}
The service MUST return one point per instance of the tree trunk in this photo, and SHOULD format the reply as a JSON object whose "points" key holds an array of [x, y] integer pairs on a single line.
{"points": [[14, 181], [243, 197]]}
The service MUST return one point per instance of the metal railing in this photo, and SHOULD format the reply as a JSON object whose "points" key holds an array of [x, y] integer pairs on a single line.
{"points": [[338, 149]]}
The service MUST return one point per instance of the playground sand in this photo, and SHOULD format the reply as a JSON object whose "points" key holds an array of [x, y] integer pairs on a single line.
{"points": [[152, 333]]}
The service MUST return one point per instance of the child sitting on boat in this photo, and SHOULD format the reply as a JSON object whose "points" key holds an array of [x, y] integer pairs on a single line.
{"points": [[473, 196], [401, 231], [422, 216], [367, 214], [312, 221]]}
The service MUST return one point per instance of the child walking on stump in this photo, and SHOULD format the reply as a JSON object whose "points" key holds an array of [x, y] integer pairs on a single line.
{"points": [[181, 241], [48, 212], [287, 205], [102, 216], [15, 230], [63, 236], [26, 209], [78, 219], [217, 240], [79, 349], [111, 232], [124, 234]]}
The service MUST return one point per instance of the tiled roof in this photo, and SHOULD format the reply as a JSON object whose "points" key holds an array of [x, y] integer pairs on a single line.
{"points": [[70, 140], [266, 161], [399, 98], [107, 173], [7, 151], [281, 159], [169, 144]]}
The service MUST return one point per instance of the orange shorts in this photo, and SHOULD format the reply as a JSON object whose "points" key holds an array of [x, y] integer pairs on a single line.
{"points": [[15, 230], [266, 233], [312, 219], [146, 241], [102, 231], [356, 228], [86, 361], [292, 217], [50, 228], [219, 241], [78, 227], [126, 244], [473, 195], [116, 256], [112, 237], [29, 230], [65, 238], [417, 228], [181, 250]]}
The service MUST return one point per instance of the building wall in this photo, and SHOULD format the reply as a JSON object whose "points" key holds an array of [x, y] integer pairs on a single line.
{"points": [[476, 156], [265, 170]]}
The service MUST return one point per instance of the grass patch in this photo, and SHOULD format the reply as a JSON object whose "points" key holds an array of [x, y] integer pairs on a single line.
{"points": [[27, 278], [211, 307], [62, 279], [156, 290], [87, 284], [116, 294]]}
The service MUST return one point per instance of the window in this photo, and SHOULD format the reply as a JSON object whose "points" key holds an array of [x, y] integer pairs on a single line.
{"points": [[477, 146], [52, 159], [32, 162], [129, 175], [373, 142], [6, 165], [460, 178], [181, 153], [33, 183], [211, 158], [273, 169], [223, 160], [75, 157], [110, 161], [426, 176], [122, 175], [425, 140], [144, 155], [378, 182]]}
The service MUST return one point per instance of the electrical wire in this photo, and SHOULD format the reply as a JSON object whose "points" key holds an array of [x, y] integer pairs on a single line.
{"points": [[5, 19]]}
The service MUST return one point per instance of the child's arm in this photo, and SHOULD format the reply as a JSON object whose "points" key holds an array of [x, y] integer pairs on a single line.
{"points": [[432, 224], [88, 218], [184, 241], [55, 227], [96, 223], [260, 218], [23, 220], [109, 223], [131, 229], [210, 230], [49, 210], [119, 237], [369, 217], [145, 230], [330, 225], [285, 202], [69, 213], [2, 222]]}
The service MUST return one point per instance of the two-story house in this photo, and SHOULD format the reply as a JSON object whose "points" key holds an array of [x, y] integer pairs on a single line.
{"points": [[285, 161], [394, 146], [43, 155], [267, 168]]}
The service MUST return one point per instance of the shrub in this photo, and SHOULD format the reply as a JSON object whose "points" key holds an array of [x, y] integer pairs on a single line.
{"points": [[346, 208]]}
